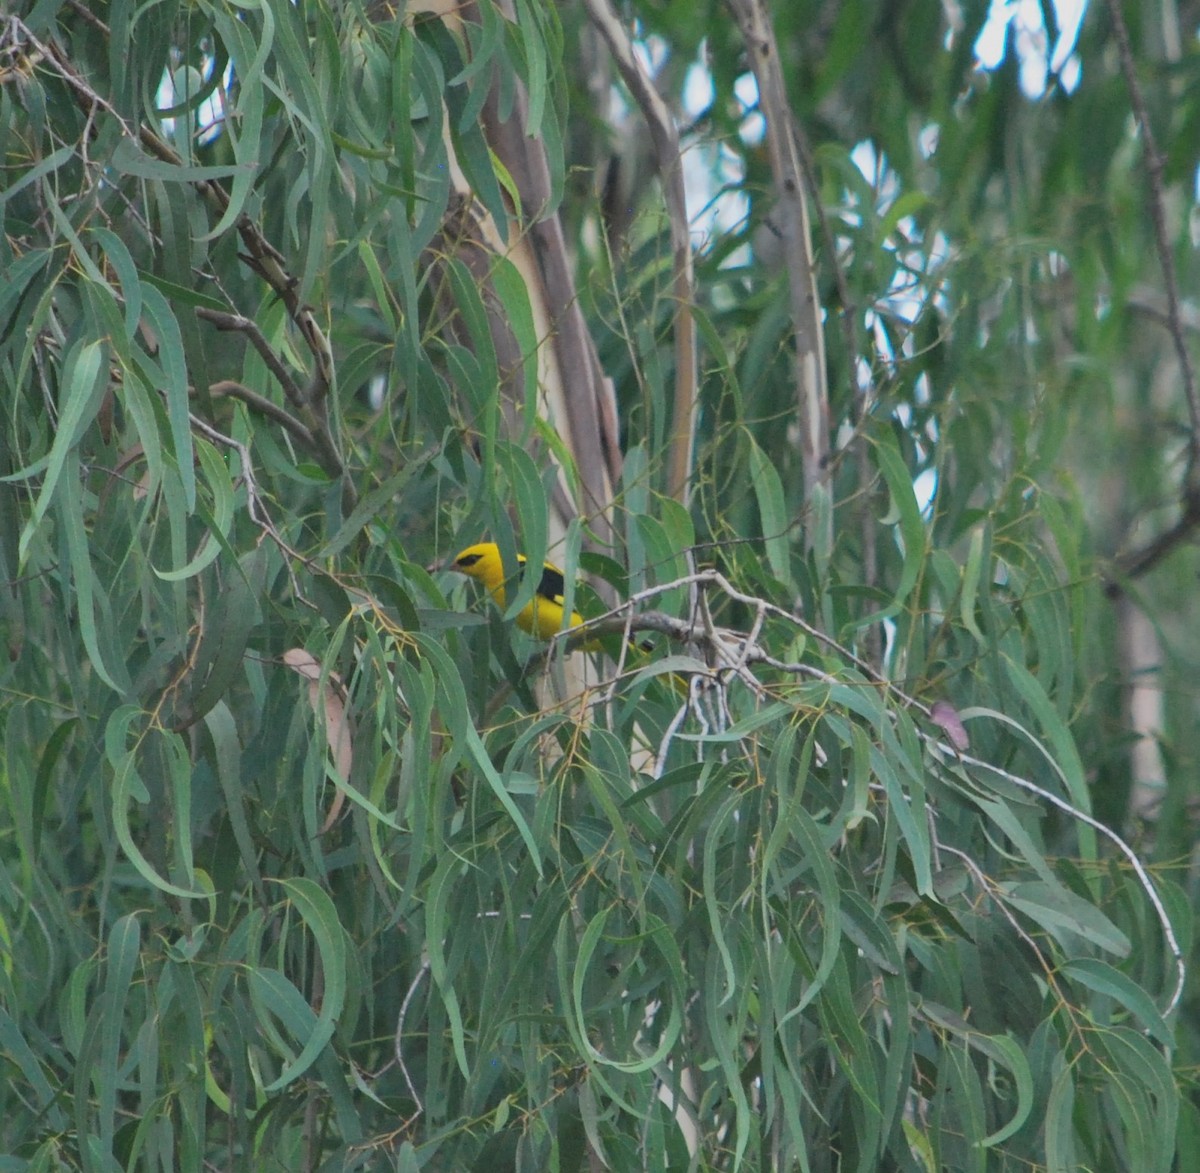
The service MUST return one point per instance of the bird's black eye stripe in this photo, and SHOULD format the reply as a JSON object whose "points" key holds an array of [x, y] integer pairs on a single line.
{"points": [[468, 560]]}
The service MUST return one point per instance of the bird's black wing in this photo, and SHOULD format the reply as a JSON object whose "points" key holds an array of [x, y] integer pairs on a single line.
{"points": [[552, 585]]}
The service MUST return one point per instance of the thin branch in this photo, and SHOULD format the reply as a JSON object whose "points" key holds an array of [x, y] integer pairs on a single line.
{"points": [[231, 389], [685, 630], [249, 327], [858, 443], [253, 498], [1155, 165], [791, 211], [260, 256], [1138, 562], [664, 135], [398, 1038], [1143, 876], [254, 504], [849, 314], [313, 430], [49, 51], [676, 723], [89, 17], [994, 892], [722, 643]]}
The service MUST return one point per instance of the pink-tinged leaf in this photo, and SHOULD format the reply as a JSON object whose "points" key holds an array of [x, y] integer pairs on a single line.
{"points": [[945, 716]]}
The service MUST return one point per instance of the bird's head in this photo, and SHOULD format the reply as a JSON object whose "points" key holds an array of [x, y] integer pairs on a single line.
{"points": [[482, 562], [476, 561]]}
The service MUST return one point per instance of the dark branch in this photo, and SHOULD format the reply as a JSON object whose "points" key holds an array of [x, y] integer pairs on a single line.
{"points": [[249, 327], [1138, 562], [265, 407]]}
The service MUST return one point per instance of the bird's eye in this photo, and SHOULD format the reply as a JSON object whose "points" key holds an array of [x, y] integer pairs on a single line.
{"points": [[469, 560]]}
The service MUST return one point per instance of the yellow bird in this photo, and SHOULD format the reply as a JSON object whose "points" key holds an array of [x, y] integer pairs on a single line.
{"points": [[543, 616]]}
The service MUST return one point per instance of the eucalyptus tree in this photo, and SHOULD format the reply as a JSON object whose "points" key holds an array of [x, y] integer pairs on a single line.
{"points": [[838, 355]]}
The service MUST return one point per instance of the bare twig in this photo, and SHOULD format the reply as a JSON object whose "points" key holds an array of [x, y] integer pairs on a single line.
{"points": [[660, 758], [254, 504], [685, 630], [664, 135], [398, 1040], [253, 498]]}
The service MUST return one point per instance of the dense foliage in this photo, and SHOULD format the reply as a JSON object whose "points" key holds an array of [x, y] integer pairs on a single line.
{"points": [[311, 861]]}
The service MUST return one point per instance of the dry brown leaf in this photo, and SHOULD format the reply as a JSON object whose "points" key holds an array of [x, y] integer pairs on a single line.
{"points": [[338, 729]]}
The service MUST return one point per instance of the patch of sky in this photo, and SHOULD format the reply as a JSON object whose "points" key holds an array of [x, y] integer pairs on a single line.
{"points": [[1019, 25], [180, 84]]}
